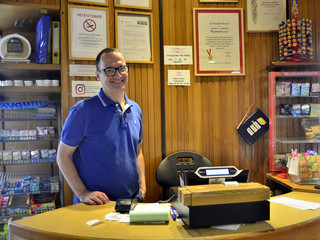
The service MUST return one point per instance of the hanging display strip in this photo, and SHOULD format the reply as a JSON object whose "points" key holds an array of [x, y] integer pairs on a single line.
{"points": [[26, 105]]}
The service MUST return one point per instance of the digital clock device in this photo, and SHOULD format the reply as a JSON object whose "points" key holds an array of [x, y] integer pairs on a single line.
{"points": [[14, 47]]}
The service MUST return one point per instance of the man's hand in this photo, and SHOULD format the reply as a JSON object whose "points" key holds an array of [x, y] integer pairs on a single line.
{"points": [[93, 198], [143, 191]]}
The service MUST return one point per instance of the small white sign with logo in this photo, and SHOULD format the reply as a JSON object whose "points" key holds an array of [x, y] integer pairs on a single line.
{"points": [[179, 77], [85, 88], [177, 55]]}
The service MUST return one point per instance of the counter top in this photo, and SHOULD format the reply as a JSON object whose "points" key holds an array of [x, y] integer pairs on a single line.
{"points": [[70, 223]]}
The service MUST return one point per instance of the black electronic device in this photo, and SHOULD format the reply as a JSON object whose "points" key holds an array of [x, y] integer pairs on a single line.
{"points": [[124, 205], [221, 214], [207, 175], [217, 172], [317, 186]]}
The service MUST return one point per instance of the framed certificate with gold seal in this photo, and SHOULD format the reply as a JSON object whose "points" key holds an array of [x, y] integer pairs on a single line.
{"points": [[218, 41]]}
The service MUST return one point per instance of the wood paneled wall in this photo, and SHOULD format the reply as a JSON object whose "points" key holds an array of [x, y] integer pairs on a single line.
{"points": [[144, 87], [203, 117], [200, 118]]}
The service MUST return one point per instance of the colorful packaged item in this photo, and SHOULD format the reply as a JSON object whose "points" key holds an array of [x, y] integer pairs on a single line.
{"points": [[295, 89], [305, 109], [283, 88], [305, 89], [314, 110], [295, 109]]}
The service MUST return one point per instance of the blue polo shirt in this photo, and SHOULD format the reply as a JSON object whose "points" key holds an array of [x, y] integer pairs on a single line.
{"points": [[106, 138]]}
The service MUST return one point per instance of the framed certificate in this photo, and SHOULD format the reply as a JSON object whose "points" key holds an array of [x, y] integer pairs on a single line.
{"points": [[218, 41], [266, 15], [141, 4], [87, 31], [95, 2], [134, 36]]}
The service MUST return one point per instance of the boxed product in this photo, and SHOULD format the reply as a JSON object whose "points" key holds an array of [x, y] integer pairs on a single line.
{"points": [[44, 154], [315, 89], [32, 134], [6, 134], [52, 153], [26, 182], [42, 132], [42, 202], [35, 155], [295, 109], [12, 186], [35, 185], [24, 134], [19, 205], [283, 88], [4, 201], [51, 131], [7, 156], [305, 109], [25, 156], [305, 89], [314, 110], [295, 89], [16, 156], [54, 181], [15, 134]]}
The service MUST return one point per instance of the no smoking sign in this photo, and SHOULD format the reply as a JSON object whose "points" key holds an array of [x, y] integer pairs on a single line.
{"points": [[89, 25]]}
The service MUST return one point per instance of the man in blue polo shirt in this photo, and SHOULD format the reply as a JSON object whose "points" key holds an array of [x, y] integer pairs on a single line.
{"points": [[100, 152]]}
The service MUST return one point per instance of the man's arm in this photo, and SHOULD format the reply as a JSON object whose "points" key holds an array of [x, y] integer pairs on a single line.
{"points": [[141, 168], [70, 173]]}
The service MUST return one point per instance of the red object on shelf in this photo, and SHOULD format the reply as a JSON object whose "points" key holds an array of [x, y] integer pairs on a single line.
{"points": [[282, 175]]}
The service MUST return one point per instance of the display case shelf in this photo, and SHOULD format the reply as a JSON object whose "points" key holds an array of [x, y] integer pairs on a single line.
{"points": [[297, 96], [29, 67], [296, 141], [287, 132], [29, 91], [293, 117]]}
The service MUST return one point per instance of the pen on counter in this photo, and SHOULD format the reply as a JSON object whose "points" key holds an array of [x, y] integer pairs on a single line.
{"points": [[172, 214], [175, 212]]}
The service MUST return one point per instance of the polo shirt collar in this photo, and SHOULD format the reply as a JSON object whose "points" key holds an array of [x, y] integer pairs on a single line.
{"points": [[105, 100]]}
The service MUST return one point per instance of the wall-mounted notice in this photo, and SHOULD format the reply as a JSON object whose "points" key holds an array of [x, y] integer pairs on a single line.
{"points": [[82, 70], [177, 55], [179, 77], [134, 36], [87, 31], [85, 88]]}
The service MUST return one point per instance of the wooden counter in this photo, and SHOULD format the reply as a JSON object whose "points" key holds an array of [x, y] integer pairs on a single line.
{"points": [[287, 183], [70, 223]]}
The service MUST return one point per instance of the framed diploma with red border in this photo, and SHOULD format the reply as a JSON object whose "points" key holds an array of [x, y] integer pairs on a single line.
{"points": [[218, 41]]}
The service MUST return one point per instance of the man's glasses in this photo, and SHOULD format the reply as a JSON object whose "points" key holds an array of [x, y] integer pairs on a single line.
{"points": [[112, 71]]}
